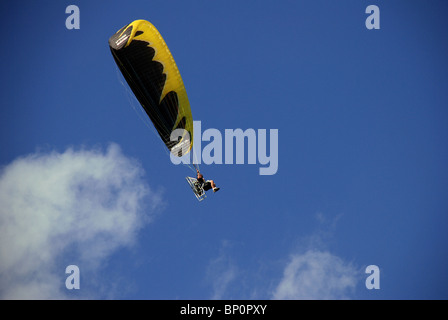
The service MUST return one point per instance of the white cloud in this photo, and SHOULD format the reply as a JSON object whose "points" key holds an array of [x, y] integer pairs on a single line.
{"points": [[221, 272], [316, 275], [88, 202]]}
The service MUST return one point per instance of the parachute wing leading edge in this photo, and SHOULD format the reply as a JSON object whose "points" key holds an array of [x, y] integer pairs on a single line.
{"points": [[151, 72]]}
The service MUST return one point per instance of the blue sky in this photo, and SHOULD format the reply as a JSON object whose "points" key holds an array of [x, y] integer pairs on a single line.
{"points": [[362, 156]]}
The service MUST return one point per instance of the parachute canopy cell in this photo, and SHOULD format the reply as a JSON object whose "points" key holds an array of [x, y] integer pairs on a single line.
{"points": [[150, 71]]}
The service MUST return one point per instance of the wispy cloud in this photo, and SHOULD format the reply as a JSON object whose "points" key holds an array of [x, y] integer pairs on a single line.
{"points": [[221, 272], [316, 275], [313, 271], [88, 202]]}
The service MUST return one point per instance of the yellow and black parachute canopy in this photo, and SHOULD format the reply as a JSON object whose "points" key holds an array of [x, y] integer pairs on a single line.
{"points": [[150, 71]]}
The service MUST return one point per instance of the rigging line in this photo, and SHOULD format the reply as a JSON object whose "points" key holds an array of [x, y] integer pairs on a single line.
{"points": [[132, 100], [195, 157], [156, 117], [141, 111]]}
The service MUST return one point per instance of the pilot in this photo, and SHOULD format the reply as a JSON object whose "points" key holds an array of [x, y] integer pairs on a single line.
{"points": [[206, 184]]}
